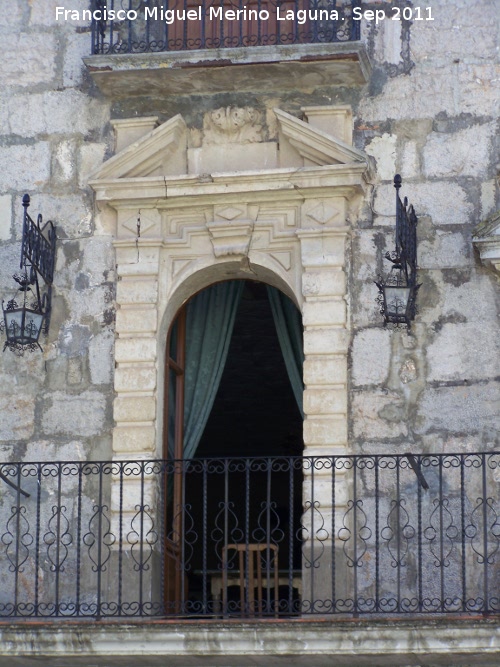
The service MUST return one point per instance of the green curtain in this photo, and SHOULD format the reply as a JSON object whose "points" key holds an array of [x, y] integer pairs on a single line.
{"points": [[210, 319], [288, 324]]}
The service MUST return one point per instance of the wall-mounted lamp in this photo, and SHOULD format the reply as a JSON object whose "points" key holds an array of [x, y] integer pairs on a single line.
{"points": [[26, 319], [398, 290]]}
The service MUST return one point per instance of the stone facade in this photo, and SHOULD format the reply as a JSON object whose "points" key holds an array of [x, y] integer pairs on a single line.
{"points": [[442, 138], [159, 187]]}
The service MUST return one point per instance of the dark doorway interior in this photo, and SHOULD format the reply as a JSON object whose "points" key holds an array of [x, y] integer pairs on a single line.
{"points": [[255, 412]]}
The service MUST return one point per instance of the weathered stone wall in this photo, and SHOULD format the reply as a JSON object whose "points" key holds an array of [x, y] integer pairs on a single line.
{"points": [[429, 112], [53, 132], [432, 116]]}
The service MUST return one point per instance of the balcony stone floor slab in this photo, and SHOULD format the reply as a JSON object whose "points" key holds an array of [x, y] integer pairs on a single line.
{"points": [[288, 67], [471, 642]]}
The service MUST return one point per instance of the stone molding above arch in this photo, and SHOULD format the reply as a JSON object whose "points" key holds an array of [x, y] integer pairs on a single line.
{"points": [[184, 216]]}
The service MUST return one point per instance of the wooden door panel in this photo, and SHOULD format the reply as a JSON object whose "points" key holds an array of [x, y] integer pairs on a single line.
{"points": [[175, 586], [243, 31]]}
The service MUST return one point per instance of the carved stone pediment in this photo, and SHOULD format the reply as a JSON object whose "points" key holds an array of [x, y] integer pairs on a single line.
{"points": [[486, 239], [233, 140]]}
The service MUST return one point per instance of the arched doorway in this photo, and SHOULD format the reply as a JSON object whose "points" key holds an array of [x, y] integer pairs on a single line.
{"points": [[235, 503]]}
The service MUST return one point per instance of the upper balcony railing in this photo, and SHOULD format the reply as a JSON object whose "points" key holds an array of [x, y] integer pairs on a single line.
{"points": [[150, 26], [251, 537]]}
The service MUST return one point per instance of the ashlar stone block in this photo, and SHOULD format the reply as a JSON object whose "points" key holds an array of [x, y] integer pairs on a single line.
{"points": [[424, 94], [464, 351], [136, 320], [21, 61], [27, 164], [322, 249], [17, 417], [43, 13], [477, 94], [461, 299], [325, 431], [378, 415], [134, 408], [371, 356], [135, 349], [447, 250], [72, 213], [333, 340], [56, 112], [325, 370], [463, 153], [134, 438], [459, 409], [445, 202], [135, 377], [325, 401], [13, 18], [324, 313], [97, 259], [323, 282], [137, 291], [473, 32], [137, 259], [409, 161], [81, 415]]}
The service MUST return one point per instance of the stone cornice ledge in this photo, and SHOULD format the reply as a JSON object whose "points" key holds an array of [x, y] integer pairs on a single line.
{"points": [[378, 642], [346, 178], [282, 67]]}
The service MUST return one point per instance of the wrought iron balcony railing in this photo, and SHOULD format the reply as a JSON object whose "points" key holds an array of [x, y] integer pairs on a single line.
{"points": [[251, 537], [148, 26]]}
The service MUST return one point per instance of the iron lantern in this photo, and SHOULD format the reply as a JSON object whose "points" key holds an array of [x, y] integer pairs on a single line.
{"points": [[23, 326], [24, 322], [398, 298], [398, 290]]}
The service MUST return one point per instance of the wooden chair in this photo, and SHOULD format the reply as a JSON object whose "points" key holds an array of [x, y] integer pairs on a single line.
{"points": [[254, 578]]}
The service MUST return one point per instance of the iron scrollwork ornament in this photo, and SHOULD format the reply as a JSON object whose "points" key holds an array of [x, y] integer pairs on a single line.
{"points": [[398, 290], [25, 319]]}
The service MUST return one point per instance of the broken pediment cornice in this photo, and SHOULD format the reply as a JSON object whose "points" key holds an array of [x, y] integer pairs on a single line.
{"points": [[314, 144], [148, 154]]}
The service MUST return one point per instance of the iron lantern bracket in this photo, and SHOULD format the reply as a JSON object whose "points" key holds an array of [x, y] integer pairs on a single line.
{"points": [[398, 289], [38, 252]]}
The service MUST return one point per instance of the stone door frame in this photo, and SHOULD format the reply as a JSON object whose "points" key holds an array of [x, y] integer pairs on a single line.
{"points": [[175, 234]]}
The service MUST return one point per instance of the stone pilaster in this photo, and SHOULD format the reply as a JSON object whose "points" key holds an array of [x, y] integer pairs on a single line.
{"points": [[136, 351], [326, 340]]}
